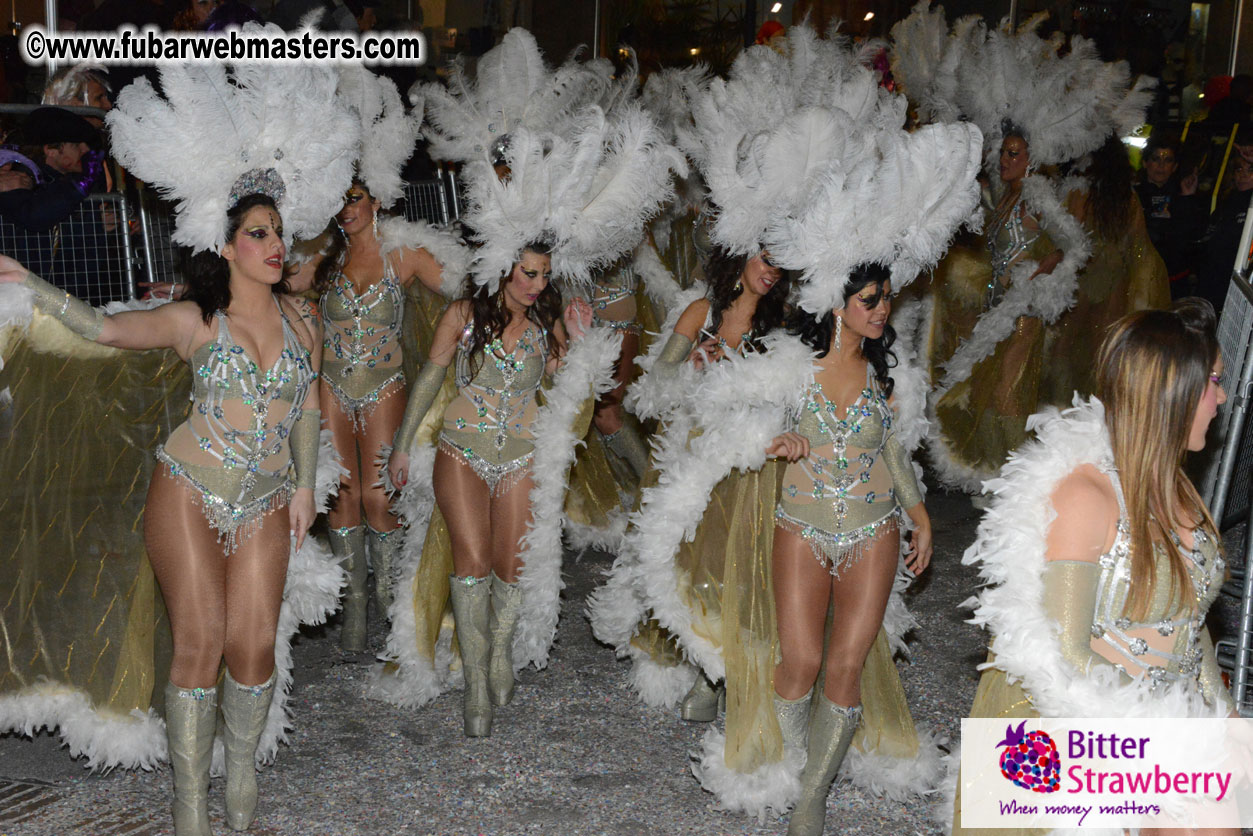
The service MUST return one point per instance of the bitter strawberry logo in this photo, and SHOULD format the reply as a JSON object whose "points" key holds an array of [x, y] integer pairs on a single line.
{"points": [[1030, 759]]}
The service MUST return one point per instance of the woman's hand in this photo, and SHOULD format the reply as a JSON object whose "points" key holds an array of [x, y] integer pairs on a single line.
{"points": [[301, 513], [398, 468], [709, 351], [11, 270], [577, 318], [919, 555], [1048, 264], [790, 446]]}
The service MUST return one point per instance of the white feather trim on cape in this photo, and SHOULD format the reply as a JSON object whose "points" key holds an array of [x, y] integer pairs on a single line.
{"points": [[1045, 296], [214, 122], [418, 679]]}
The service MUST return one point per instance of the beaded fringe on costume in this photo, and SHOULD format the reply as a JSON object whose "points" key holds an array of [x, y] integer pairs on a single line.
{"points": [[359, 410], [499, 477], [233, 523], [836, 552]]}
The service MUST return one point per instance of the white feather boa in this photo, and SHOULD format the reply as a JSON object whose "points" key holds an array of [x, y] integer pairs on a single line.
{"points": [[1045, 296], [418, 679], [1009, 550], [450, 251], [106, 739]]}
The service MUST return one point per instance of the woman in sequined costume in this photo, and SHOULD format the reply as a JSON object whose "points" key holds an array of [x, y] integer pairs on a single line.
{"points": [[501, 345], [1098, 533], [836, 541], [615, 304], [234, 487], [981, 418], [362, 284]]}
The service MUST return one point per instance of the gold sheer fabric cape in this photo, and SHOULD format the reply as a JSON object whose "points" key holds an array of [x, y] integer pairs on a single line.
{"points": [[81, 614]]}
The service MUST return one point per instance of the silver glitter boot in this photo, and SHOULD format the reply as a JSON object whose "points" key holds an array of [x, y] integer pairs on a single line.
{"points": [[470, 609], [191, 716], [793, 720], [831, 729], [703, 701], [506, 607], [385, 555], [244, 712], [348, 546]]}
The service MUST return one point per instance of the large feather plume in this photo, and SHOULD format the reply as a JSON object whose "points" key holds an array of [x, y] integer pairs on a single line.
{"points": [[215, 122], [888, 197], [388, 133], [761, 137], [513, 88], [1061, 94], [589, 194]]}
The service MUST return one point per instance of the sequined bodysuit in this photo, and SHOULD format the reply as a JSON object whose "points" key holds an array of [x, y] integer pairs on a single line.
{"points": [[1167, 645], [488, 424], [361, 350], [233, 449], [613, 300], [1008, 239], [845, 492]]}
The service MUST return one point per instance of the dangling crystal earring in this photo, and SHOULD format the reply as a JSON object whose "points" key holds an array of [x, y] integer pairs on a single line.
{"points": [[374, 225], [839, 326], [739, 287]]}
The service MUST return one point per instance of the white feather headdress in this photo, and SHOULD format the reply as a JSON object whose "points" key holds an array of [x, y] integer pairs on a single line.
{"points": [[388, 133], [218, 130], [587, 193], [761, 137], [512, 89], [1061, 95]]}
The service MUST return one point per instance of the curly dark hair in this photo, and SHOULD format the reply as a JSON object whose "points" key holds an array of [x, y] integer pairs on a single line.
{"points": [[1109, 196], [817, 331], [722, 273], [489, 316], [209, 275]]}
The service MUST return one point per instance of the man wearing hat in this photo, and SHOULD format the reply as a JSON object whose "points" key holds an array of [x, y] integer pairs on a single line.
{"points": [[79, 254]]}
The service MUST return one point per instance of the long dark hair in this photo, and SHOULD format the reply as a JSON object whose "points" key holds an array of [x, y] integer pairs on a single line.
{"points": [[722, 274], [816, 331], [489, 316], [209, 275], [1109, 189]]}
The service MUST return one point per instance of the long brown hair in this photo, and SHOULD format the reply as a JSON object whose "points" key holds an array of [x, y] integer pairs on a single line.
{"points": [[489, 316], [1151, 372]]}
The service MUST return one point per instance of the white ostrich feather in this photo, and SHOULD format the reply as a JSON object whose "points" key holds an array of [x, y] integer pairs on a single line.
{"points": [[388, 133], [513, 88], [925, 56], [212, 123], [589, 193]]}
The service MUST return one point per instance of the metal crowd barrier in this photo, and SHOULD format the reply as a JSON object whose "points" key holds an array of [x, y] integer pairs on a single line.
{"points": [[1226, 485], [112, 244]]}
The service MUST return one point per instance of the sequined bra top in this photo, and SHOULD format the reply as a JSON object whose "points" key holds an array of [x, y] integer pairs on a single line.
{"points": [[236, 438], [1166, 646], [361, 345], [495, 404], [843, 483]]}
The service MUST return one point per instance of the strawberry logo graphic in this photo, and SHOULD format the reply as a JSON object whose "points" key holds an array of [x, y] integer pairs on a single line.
{"points": [[1030, 759]]}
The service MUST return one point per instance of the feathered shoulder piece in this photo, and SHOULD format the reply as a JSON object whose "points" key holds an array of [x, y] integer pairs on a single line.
{"points": [[512, 88], [388, 132], [1058, 93], [448, 249], [760, 137], [220, 132], [587, 194]]}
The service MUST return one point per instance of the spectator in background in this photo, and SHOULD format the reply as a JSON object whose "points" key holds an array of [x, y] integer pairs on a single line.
{"points": [[195, 15], [80, 84], [80, 256], [1222, 234], [65, 149], [1173, 211], [336, 17], [1235, 108]]}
